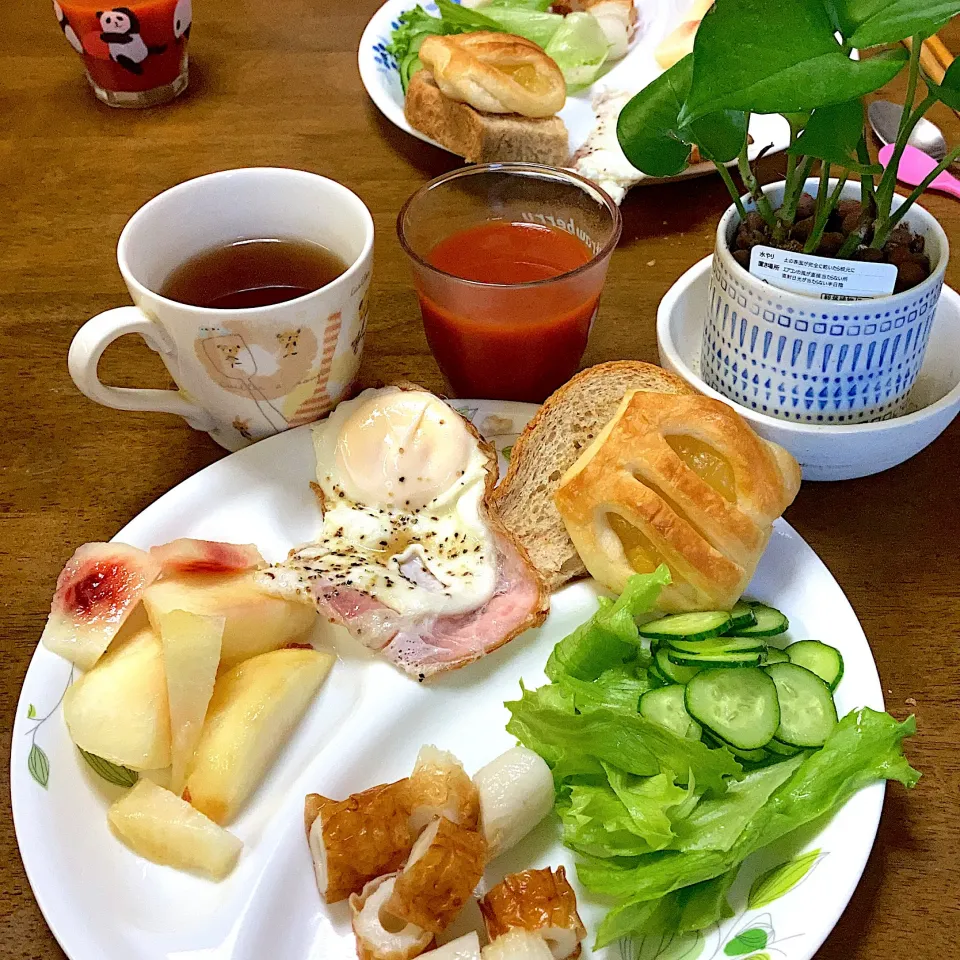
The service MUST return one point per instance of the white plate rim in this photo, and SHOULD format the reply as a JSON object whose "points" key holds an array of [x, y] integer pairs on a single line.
{"points": [[78, 946]]}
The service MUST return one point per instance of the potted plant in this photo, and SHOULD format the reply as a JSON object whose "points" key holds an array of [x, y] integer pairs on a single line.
{"points": [[788, 352]]}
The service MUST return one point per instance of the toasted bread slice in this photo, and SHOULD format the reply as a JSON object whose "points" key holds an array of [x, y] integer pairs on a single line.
{"points": [[483, 137], [553, 440]]}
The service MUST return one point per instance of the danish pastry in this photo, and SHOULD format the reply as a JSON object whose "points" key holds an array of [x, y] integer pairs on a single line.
{"points": [[495, 73], [680, 480]]}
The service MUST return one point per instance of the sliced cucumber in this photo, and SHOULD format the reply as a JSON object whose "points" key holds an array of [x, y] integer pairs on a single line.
{"points": [[657, 677], [819, 658], [807, 711], [665, 706], [692, 626], [718, 645], [673, 672], [751, 756], [775, 655], [737, 705], [782, 749], [770, 622], [741, 616], [738, 658]]}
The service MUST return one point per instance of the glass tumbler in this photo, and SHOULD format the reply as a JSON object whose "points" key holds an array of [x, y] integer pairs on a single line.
{"points": [[509, 260], [135, 55]]}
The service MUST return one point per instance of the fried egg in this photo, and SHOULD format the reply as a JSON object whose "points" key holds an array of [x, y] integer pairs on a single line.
{"points": [[402, 482]]}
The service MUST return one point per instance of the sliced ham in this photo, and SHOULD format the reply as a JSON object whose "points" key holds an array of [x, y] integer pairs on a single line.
{"points": [[424, 647]]}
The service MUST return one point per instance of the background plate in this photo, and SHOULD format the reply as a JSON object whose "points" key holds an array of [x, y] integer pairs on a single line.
{"points": [[366, 727], [378, 71]]}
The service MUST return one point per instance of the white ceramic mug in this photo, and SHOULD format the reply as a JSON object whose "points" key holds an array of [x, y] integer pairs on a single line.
{"points": [[242, 374]]}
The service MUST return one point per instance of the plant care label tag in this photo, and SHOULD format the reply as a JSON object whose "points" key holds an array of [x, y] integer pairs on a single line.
{"points": [[821, 276]]}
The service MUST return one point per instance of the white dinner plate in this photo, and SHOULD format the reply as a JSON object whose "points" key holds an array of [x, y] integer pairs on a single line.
{"points": [[365, 727], [657, 18]]}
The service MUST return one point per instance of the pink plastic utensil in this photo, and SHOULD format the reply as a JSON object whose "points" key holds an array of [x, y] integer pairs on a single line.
{"points": [[915, 165]]}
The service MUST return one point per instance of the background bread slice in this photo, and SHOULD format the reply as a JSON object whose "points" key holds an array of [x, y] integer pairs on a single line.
{"points": [[566, 423], [483, 137]]}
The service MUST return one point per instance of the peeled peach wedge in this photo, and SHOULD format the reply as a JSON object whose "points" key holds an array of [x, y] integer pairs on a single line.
{"points": [[206, 556], [99, 587], [158, 825], [119, 709], [255, 622], [191, 655], [254, 709]]}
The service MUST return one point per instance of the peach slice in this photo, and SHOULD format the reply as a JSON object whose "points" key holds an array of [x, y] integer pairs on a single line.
{"points": [[252, 713], [96, 590], [206, 556], [191, 655], [119, 709], [158, 825], [256, 621]]}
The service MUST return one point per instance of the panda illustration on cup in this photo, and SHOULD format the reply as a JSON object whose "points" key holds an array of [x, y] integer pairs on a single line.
{"points": [[120, 31], [67, 28], [182, 19]]}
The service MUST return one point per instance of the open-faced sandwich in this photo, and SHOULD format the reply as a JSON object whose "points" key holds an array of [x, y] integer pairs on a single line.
{"points": [[411, 557], [625, 468], [486, 79]]}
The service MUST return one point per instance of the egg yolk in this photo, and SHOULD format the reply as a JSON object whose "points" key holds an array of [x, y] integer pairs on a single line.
{"points": [[707, 464], [404, 448]]}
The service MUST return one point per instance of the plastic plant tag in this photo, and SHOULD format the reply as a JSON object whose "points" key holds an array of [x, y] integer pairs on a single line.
{"points": [[822, 277]]}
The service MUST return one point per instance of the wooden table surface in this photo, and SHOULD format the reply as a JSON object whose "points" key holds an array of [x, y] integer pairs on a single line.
{"points": [[277, 84]]}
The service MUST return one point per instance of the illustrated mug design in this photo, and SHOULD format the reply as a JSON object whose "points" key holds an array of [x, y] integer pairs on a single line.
{"points": [[243, 374]]}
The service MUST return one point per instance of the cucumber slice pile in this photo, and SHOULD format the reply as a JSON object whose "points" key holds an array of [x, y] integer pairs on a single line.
{"points": [[717, 678], [666, 706], [818, 658]]}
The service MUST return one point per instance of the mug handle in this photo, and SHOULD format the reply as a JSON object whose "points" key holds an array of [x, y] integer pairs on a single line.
{"points": [[93, 338]]}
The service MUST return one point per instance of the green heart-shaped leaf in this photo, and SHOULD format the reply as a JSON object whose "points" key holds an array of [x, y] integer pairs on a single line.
{"points": [[719, 135], [832, 134], [764, 57], [866, 23], [949, 90], [780, 880], [746, 942], [647, 125]]}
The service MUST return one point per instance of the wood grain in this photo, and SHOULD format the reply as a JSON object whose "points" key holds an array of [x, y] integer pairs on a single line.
{"points": [[276, 83]]}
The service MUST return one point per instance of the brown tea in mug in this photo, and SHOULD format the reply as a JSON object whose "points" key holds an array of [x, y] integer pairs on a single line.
{"points": [[253, 273]]}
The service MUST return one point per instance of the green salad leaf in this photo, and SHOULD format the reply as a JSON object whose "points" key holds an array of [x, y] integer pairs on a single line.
{"points": [[610, 637], [866, 746], [658, 821], [579, 48]]}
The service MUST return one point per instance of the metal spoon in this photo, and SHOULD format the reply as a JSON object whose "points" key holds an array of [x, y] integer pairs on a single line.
{"points": [[885, 120]]}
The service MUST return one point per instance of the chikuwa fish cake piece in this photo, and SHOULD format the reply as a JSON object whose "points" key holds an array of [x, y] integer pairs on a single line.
{"points": [[517, 944], [380, 935], [516, 792], [444, 867], [440, 787], [541, 902], [356, 840]]}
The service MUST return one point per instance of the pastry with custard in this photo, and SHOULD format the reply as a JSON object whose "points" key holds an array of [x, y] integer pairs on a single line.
{"points": [[490, 97], [680, 480]]}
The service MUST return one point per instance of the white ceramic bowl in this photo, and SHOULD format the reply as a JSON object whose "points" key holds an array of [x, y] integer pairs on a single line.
{"points": [[826, 451]]}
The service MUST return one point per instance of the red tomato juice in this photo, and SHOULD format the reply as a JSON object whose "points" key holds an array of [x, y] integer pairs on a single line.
{"points": [[513, 342]]}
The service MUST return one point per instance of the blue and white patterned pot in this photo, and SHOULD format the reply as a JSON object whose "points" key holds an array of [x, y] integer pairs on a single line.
{"points": [[815, 361]]}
